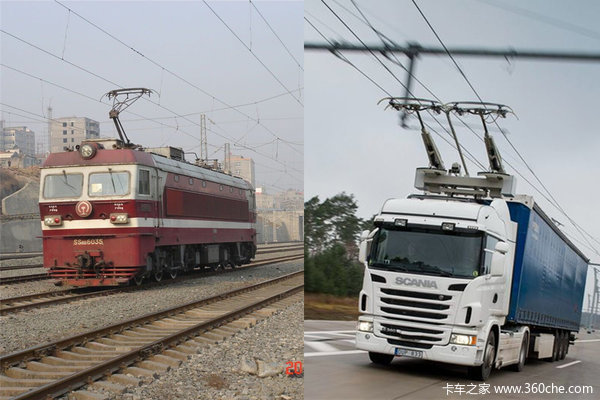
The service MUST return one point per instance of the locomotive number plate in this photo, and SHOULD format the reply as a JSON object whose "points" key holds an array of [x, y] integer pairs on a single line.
{"points": [[88, 242]]}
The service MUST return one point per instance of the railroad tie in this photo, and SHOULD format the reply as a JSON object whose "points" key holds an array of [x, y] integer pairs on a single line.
{"points": [[125, 380], [108, 386], [86, 395]]}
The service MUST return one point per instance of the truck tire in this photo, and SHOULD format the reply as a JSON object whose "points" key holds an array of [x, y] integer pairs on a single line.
{"points": [[518, 367], [381, 359], [482, 372], [564, 339], [556, 347]]}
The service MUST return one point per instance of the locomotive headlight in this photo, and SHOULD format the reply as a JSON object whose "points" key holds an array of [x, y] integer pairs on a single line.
{"points": [[87, 151], [119, 218], [52, 220]]}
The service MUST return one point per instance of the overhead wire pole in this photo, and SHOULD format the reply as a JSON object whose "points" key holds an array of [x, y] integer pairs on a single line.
{"points": [[417, 49]]}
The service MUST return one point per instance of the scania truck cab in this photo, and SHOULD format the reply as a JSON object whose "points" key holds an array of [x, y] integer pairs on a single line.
{"points": [[437, 283]]}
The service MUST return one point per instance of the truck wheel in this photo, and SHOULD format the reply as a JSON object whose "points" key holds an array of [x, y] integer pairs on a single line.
{"points": [[482, 372], [556, 347], [522, 356], [381, 359], [564, 340]]}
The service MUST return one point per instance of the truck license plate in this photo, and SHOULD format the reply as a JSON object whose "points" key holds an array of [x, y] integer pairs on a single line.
{"points": [[409, 353]]}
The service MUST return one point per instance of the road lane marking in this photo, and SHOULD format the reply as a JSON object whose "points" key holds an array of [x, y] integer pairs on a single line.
{"points": [[334, 353], [569, 364], [586, 340], [320, 346], [329, 332]]}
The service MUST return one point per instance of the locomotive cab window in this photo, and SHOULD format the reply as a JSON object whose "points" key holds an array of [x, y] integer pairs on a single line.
{"points": [[108, 184], [63, 186], [144, 182]]}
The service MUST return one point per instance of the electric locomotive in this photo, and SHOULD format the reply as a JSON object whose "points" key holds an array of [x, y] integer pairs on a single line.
{"points": [[113, 212]]}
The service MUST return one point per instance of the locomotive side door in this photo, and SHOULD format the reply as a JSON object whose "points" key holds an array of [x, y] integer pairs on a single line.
{"points": [[148, 191]]}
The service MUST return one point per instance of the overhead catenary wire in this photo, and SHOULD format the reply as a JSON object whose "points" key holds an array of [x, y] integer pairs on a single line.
{"points": [[555, 203], [178, 76], [276, 35], [343, 58], [153, 102], [338, 54], [253, 54], [544, 18], [390, 72]]}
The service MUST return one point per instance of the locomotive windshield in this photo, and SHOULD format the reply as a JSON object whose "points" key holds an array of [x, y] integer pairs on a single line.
{"points": [[429, 252], [63, 186], [108, 184]]}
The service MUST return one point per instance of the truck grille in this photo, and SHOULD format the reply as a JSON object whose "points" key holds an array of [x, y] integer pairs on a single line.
{"points": [[414, 319]]}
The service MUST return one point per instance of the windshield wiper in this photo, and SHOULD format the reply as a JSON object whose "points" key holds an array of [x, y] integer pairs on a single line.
{"points": [[112, 180], [433, 268], [66, 180], [390, 267]]}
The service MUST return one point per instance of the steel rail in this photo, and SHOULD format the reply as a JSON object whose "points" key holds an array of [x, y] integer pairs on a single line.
{"points": [[68, 295], [23, 278], [83, 377]]}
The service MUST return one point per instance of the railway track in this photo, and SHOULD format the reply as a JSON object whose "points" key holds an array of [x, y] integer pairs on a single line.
{"points": [[23, 278], [15, 267], [144, 345], [264, 249], [21, 303]]}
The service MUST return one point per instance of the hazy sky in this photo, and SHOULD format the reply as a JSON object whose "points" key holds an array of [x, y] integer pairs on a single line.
{"points": [[353, 145], [186, 38]]}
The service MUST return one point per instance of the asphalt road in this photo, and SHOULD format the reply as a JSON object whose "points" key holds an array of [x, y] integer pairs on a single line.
{"points": [[334, 369]]}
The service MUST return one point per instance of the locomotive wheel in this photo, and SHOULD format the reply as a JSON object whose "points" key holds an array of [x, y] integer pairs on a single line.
{"points": [[230, 265], [173, 273], [158, 275], [138, 279]]}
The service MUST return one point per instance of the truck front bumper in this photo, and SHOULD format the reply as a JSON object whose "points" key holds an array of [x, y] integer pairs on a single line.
{"points": [[450, 353]]}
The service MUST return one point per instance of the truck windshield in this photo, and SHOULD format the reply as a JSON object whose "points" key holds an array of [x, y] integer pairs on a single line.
{"points": [[63, 186], [430, 252], [108, 184]]}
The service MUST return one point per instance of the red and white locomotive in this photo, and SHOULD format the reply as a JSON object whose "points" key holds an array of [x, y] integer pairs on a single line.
{"points": [[111, 214]]}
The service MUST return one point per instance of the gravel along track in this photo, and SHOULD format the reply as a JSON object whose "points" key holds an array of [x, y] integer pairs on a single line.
{"points": [[215, 373], [53, 297], [29, 328], [139, 350]]}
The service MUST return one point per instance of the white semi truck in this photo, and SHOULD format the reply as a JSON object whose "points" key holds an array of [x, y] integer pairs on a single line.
{"points": [[468, 274]]}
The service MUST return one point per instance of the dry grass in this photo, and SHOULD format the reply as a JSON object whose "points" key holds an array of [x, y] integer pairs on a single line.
{"points": [[325, 306]]}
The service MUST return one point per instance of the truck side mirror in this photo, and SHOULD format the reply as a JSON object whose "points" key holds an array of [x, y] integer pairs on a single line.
{"points": [[497, 267], [365, 246], [501, 247]]}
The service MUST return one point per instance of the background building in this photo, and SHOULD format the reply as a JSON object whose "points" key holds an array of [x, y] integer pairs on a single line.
{"points": [[71, 131], [18, 137], [243, 167], [280, 216]]}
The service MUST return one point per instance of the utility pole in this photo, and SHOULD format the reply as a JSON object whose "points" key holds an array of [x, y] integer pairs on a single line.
{"points": [[227, 159], [203, 141], [413, 50], [49, 128]]}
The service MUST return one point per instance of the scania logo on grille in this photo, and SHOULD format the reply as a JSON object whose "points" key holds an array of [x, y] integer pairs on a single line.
{"points": [[83, 208], [416, 282]]}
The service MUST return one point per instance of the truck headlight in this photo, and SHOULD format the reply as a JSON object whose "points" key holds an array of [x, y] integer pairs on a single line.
{"points": [[465, 340], [365, 326]]}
